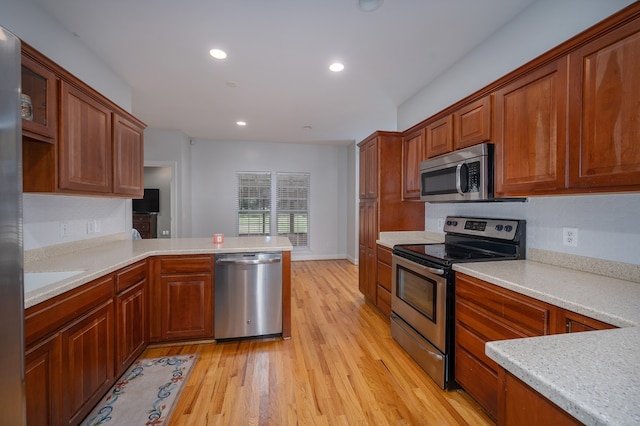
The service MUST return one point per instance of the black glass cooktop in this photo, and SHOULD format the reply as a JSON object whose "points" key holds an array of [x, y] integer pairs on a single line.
{"points": [[447, 254]]}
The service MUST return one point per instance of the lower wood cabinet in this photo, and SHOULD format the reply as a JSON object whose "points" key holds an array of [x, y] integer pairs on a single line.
{"points": [[182, 292], [132, 326], [383, 293], [87, 362], [486, 312], [521, 405], [42, 370]]}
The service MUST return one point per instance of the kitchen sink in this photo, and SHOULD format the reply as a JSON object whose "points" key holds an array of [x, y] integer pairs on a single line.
{"points": [[36, 280]]}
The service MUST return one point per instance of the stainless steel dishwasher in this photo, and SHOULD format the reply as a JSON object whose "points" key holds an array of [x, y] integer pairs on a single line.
{"points": [[248, 295]]}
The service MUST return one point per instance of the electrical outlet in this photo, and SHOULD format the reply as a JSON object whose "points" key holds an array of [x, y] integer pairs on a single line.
{"points": [[64, 229], [570, 237], [440, 224], [91, 227]]}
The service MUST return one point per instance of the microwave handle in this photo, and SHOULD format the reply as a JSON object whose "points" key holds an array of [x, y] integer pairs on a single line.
{"points": [[458, 179]]}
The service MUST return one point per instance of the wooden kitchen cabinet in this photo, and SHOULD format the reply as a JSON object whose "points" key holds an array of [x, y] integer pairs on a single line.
{"points": [[42, 371], [604, 98], [484, 313], [521, 405], [40, 84], [472, 123], [381, 167], [182, 292], [132, 329], [87, 362], [92, 146], [531, 127], [439, 136], [571, 322], [85, 143], [128, 156], [369, 169], [383, 291], [414, 151], [69, 356]]}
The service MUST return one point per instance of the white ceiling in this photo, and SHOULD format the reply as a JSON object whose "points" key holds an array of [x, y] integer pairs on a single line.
{"points": [[279, 54]]}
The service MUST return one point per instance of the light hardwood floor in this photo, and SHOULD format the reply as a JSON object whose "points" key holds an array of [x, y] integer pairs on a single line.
{"points": [[340, 367]]}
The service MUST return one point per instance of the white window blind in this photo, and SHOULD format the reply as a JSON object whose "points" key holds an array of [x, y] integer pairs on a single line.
{"points": [[292, 207], [254, 203]]}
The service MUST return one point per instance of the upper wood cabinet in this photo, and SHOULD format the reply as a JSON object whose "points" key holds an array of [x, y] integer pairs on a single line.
{"points": [[128, 156], [92, 146], [413, 153], [85, 143], [368, 169], [40, 85], [531, 141], [439, 136], [605, 111], [472, 123]]}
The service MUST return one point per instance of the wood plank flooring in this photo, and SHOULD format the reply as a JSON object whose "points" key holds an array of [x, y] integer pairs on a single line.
{"points": [[341, 367]]}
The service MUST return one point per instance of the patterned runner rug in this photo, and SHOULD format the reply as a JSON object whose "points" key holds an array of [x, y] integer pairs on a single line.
{"points": [[145, 394]]}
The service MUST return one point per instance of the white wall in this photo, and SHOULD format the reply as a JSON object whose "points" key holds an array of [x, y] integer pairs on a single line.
{"points": [[173, 146], [608, 225], [214, 167], [43, 213]]}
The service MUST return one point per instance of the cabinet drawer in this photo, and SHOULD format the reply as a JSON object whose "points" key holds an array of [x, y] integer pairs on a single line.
{"points": [[130, 275], [484, 324], [186, 264], [383, 300], [142, 226], [473, 343], [477, 380], [46, 317], [531, 317], [384, 255], [384, 276]]}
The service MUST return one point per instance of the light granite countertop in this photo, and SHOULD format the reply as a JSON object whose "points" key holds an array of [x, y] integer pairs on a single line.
{"points": [[94, 262], [390, 239], [594, 376]]}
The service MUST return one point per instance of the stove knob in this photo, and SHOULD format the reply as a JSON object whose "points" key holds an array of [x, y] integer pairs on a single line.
{"points": [[508, 228], [455, 223], [499, 227], [449, 223]]}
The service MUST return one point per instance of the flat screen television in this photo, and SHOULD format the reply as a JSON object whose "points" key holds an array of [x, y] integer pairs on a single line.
{"points": [[149, 204]]}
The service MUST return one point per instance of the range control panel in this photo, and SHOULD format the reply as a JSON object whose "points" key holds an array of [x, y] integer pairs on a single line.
{"points": [[504, 229]]}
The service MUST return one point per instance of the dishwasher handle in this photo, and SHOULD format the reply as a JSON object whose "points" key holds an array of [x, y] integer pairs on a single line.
{"points": [[247, 260]]}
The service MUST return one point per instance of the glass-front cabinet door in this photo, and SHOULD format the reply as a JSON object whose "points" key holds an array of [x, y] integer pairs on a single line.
{"points": [[38, 101]]}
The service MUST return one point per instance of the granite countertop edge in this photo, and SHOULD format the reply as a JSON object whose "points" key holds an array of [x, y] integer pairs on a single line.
{"points": [[101, 260], [575, 371]]}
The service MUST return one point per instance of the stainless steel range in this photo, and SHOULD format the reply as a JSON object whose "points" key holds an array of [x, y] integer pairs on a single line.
{"points": [[422, 300]]}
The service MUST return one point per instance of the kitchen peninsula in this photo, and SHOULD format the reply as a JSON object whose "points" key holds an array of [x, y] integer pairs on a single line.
{"points": [[92, 309]]}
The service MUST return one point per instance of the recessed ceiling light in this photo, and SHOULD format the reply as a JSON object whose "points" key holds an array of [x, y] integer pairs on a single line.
{"points": [[336, 67], [241, 123], [218, 54]]}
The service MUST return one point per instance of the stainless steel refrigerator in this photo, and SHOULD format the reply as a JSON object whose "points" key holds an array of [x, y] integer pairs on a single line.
{"points": [[12, 393]]}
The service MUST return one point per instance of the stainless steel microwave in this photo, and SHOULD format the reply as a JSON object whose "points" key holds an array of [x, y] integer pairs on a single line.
{"points": [[462, 175]]}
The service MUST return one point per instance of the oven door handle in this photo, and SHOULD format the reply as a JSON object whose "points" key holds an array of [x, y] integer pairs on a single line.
{"points": [[436, 271]]}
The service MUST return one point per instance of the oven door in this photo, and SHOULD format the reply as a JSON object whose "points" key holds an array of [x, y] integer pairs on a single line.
{"points": [[418, 296]]}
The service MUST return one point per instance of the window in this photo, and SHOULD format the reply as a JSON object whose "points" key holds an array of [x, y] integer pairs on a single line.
{"points": [[254, 203], [292, 207]]}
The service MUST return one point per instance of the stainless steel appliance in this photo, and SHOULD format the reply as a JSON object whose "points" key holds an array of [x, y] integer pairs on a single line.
{"points": [[12, 393], [423, 286], [248, 295], [463, 175]]}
